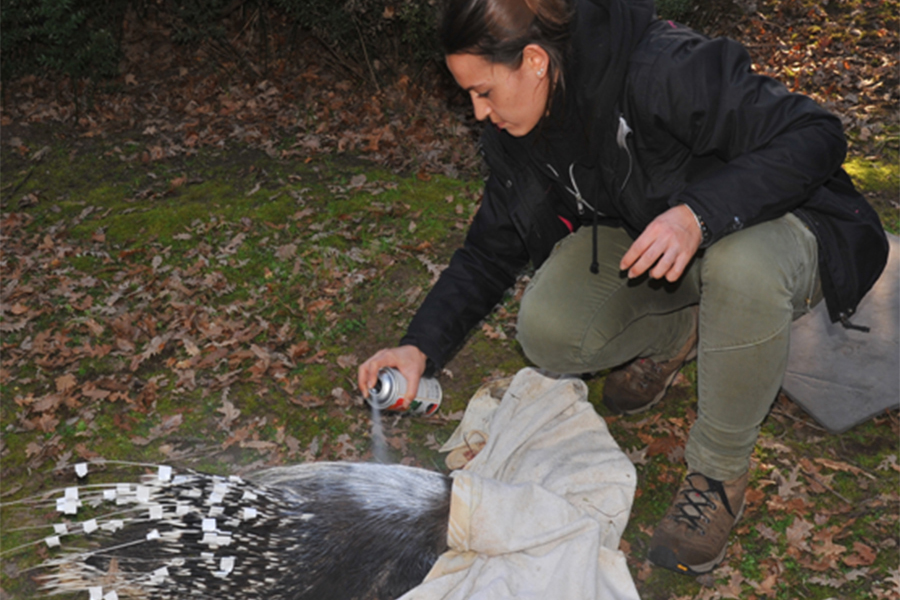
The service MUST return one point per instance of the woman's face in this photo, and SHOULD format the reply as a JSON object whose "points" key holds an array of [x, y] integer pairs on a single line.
{"points": [[513, 99]]}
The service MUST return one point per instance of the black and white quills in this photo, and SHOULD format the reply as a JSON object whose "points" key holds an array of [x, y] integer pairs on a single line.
{"points": [[344, 531]]}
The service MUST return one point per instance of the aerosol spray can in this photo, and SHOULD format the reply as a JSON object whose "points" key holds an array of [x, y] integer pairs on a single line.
{"points": [[389, 393]]}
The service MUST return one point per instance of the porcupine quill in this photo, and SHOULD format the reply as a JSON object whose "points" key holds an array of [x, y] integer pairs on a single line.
{"points": [[321, 531]]}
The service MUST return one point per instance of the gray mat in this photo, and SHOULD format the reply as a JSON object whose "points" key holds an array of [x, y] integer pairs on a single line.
{"points": [[843, 377]]}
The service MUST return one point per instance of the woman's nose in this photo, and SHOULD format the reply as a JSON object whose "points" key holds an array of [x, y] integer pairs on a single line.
{"points": [[482, 109]]}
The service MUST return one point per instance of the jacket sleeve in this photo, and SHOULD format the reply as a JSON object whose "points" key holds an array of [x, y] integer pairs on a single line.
{"points": [[771, 148], [479, 273]]}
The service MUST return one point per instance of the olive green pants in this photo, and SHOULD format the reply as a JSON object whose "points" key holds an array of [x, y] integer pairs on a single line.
{"points": [[750, 286]]}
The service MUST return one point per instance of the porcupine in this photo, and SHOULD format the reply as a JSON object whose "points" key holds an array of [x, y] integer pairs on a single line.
{"points": [[343, 531]]}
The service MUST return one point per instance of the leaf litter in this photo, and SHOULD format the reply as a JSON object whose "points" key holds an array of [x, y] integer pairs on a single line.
{"points": [[91, 326]]}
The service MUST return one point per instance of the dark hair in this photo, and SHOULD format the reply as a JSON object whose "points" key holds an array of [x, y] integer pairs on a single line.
{"points": [[499, 30]]}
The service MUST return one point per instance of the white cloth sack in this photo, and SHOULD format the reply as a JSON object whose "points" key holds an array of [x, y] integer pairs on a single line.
{"points": [[539, 512]]}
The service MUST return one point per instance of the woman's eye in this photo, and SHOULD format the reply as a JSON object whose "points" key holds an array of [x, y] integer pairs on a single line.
{"points": [[483, 94]]}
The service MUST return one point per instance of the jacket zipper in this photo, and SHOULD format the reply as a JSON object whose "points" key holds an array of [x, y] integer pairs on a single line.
{"points": [[622, 140]]}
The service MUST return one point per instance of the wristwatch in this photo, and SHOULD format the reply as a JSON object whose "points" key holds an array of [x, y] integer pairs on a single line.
{"points": [[704, 230]]}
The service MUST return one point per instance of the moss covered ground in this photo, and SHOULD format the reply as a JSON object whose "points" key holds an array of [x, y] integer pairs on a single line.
{"points": [[177, 287], [210, 311]]}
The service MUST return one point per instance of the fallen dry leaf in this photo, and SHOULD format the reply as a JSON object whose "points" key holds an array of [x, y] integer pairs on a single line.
{"points": [[347, 360], [65, 383], [230, 414], [797, 534], [863, 555], [18, 309]]}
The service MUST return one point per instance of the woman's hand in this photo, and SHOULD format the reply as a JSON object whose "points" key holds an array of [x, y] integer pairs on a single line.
{"points": [[409, 360], [667, 245]]}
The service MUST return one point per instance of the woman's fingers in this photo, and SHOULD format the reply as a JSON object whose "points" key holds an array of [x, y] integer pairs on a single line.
{"points": [[665, 247], [409, 360]]}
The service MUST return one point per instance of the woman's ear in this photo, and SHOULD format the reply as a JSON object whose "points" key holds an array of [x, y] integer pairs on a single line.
{"points": [[535, 59]]}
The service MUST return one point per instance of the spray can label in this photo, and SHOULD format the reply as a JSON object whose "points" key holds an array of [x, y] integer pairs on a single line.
{"points": [[389, 393]]}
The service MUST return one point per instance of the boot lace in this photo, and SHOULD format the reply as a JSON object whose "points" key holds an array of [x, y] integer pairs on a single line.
{"points": [[695, 501]]}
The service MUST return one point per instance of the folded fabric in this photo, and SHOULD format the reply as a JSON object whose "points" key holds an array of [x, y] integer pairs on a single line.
{"points": [[540, 510], [844, 377]]}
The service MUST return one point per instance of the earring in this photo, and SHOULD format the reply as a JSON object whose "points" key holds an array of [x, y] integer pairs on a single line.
{"points": [[540, 72]]}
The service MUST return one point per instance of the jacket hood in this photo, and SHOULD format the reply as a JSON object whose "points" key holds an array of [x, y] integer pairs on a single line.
{"points": [[604, 35]]}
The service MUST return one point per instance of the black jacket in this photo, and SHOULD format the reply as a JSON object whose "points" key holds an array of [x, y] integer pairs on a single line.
{"points": [[683, 120]]}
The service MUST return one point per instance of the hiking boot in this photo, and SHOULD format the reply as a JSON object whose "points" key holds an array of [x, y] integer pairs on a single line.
{"points": [[643, 382], [693, 535]]}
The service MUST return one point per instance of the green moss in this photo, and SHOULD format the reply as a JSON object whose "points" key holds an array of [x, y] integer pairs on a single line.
{"points": [[749, 565], [873, 175], [879, 180]]}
